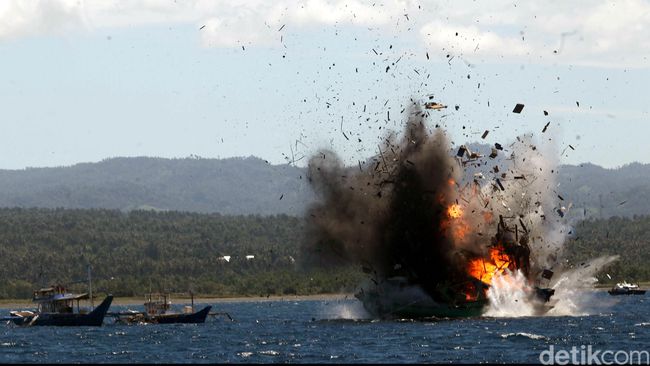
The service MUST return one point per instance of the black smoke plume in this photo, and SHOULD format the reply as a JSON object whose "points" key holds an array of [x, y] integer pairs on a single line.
{"points": [[389, 214]]}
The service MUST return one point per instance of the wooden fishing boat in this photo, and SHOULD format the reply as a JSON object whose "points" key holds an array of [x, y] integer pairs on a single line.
{"points": [[158, 311], [56, 307]]}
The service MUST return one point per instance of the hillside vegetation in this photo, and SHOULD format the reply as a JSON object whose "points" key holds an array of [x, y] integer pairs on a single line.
{"points": [[627, 237], [132, 253]]}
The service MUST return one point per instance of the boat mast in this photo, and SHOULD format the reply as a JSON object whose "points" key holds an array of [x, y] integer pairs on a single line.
{"points": [[90, 289]]}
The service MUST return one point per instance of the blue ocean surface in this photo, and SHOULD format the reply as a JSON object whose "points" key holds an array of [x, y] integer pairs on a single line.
{"points": [[322, 332]]}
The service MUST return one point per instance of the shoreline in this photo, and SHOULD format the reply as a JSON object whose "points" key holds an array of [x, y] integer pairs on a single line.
{"points": [[15, 304]]}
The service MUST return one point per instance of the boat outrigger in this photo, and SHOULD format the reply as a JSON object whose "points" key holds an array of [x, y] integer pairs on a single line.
{"points": [[56, 306]]}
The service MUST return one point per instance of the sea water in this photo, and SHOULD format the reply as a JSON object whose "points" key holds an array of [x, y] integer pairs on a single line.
{"points": [[332, 332]]}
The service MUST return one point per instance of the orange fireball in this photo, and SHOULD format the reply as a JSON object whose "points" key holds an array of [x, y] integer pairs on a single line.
{"points": [[485, 269], [454, 211]]}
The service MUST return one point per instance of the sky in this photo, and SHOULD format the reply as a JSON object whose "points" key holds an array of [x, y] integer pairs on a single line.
{"points": [[82, 81]]}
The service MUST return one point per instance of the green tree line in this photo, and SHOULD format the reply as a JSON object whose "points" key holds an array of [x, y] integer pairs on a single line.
{"points": [[628, 237], [135, 252]]}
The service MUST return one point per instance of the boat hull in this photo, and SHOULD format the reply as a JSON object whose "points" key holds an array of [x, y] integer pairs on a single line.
{"points": [[92, 319], [193, 318], [408, 302], [464, 310], [143, 318], [628, 292], [417, 306]]}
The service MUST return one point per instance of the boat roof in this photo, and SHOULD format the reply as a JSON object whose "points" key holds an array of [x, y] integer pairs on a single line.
{"points": [[61, 297]]}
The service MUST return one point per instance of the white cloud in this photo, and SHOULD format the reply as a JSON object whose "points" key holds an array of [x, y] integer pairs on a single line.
{"points": [[605, 33], [258, 22], [25, 18], [471, 40], [324, 12], [227, 23]]}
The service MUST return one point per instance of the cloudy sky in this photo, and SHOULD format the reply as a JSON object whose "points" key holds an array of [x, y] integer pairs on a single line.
{"points": [[86, 80]]}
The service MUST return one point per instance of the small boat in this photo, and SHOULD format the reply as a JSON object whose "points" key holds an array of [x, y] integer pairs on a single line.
{"points": [[625, 288], [56, 307], [157, 311]]}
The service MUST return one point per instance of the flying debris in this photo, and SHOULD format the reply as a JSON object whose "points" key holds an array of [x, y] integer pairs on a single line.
{"points": [[547, 274], [434, 105]]}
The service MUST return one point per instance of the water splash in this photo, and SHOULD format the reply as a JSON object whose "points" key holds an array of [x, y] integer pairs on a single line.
{"points": [[344, 311], [511, 296], [574, 290]]}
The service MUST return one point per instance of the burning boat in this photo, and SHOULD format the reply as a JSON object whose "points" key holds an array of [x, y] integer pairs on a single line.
{"points": [[437, 239], [401, 297]]}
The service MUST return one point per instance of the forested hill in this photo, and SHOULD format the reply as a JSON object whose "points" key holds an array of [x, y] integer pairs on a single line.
{"points": [[228, 186], [253, 186], [132, 253], [604, 193]]}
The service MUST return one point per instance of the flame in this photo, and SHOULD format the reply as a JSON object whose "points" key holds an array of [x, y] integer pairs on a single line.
{"points": [[470, 292], [455, 225], [454, 211], [484, 269]]}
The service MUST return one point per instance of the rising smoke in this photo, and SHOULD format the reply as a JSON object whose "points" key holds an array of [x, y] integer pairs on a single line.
{"points": [[387, 215]]}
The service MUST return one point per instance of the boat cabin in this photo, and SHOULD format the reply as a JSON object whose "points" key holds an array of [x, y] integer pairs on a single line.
{"points": [[157, 304], [626, 286], [56, 299]]}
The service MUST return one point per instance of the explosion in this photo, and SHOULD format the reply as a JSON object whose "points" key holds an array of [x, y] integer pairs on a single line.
{"points": [[433, 239], [484, 270], [455, 211]]}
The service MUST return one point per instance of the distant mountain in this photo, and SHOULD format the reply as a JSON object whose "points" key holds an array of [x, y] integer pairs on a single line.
{"points": [[253, 186], [600, 192], [229, 186], [593, 191]]}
